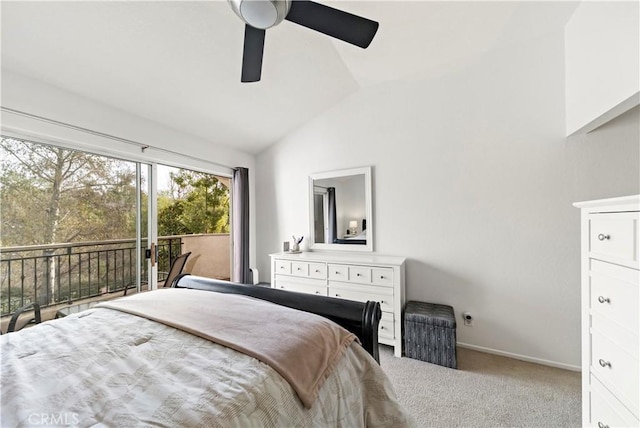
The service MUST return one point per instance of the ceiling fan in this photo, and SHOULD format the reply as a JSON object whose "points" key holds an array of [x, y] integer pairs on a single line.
{"points": [[259, 15]]}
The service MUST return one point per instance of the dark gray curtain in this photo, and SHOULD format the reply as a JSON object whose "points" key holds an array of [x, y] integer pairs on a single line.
{"points": [[333, 228], [240, 232]]}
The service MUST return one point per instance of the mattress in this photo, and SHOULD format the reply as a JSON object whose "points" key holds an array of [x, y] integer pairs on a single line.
{"points": [[103, 367]]}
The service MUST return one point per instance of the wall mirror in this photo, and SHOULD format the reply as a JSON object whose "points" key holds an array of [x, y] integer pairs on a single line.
{"points": [[340, 210]]}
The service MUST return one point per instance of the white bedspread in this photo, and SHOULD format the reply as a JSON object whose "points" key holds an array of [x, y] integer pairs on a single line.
{"points": [[107, 368], [303, 347]]}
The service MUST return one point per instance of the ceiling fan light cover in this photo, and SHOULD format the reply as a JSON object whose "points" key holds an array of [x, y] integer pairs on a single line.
{"points": [[261, 14]]}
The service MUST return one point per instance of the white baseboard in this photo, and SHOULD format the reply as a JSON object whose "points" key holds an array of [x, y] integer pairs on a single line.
{"points": [[521, 357]]}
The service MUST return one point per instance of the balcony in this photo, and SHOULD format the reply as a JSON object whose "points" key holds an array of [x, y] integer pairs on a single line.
{"points": [[60, 274]]}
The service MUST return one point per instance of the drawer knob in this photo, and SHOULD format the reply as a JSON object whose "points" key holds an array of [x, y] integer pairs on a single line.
{"points": [[381, 301], [381, 327], [604, 363], [601, 425], [299, 268], [281, 267], [317, 270], [337, 295], [358, 274], [282, 286], [602, 299], [317, 292], [602, 237], [381, 276]]}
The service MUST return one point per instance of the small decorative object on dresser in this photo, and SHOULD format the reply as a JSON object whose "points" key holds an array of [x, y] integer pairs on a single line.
{"points": [[610, 305], [295, 244], [352, 277]]}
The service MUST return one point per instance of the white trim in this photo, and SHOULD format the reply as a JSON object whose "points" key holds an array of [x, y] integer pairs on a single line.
{"points": [[611, 204], [152, 218], [96, 144], [521, 357], [607, 116], [139, 252], [368, 247]]}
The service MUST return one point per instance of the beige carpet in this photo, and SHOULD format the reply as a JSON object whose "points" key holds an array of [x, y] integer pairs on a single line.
{"points": [[485, 391]]}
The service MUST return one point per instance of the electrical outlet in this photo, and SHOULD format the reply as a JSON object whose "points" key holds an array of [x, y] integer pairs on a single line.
{"points": [[467, 318]]}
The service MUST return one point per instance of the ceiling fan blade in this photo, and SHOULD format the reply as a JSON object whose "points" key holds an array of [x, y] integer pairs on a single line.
{"points": [[333, 22], [252, 54]]}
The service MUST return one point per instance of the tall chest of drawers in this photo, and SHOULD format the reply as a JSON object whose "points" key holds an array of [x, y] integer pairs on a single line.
{"points": [[610, 305], [351, 277]]}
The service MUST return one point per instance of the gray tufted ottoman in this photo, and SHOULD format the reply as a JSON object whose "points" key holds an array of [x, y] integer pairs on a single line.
{"points": [[430, 333]]}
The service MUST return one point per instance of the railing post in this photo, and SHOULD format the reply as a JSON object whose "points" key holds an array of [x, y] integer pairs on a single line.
{"points": [[9, 281], [170, 251], [47, 279]]}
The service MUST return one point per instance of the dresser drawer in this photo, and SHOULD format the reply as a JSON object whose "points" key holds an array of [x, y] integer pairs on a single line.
{"points": [[348, 273], [382, 276], [360, 274], [317, 270], [614, 294], [623, 338], [606, 410], [300, 285], [363, 294], [614, 237], [617, 369], [283, 267], [300, 269], [338, 272], [386, 328]]}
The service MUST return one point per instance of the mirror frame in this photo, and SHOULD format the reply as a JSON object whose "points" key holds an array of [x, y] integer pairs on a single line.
{"points": [[366, 170]]}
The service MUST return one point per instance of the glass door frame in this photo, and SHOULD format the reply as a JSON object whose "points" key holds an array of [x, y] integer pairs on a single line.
{"points": [[152, 226]]}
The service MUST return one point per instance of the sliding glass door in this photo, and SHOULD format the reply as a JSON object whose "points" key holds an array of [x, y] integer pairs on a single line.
{"points": [[72, 225], [77, 226], [193, 216]]}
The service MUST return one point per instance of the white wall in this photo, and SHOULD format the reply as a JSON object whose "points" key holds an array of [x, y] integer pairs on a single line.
{"points": [[602, 41], [477, 164], [38, 98]]}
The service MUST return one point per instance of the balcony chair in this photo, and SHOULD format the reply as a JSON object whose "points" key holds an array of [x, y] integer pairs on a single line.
{"points": [[176, 269], [36, 319]]}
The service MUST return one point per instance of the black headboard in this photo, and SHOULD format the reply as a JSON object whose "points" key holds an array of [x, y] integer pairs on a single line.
{"points": [[362, 319]]}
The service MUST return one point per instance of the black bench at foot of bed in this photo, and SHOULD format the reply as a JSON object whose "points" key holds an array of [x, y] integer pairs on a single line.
{"points": [[362, 319]]}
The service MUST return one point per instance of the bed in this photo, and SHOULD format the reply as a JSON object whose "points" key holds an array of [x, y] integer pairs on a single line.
{"points": [[158, 359], [360, 239]]}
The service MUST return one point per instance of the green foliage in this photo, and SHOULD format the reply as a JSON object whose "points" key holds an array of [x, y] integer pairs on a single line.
{"points": [[198, 203], [50, 194]]}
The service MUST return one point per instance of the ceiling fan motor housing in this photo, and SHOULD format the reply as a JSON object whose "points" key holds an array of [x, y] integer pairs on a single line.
{"points": [[261, 14]]}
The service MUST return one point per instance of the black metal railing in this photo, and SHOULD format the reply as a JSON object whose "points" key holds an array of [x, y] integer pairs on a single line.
{"points": [[50, 274]]}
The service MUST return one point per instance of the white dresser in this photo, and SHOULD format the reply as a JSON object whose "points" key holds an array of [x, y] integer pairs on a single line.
{"points": [[351, 277], [610, 305]]}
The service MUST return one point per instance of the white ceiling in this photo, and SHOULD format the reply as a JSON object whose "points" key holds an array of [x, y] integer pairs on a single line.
{"points": [[178, 63]]}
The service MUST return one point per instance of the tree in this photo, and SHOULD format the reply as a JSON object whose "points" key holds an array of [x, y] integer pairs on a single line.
{"points": [[197, 203], [52, 192], [53, 195]]}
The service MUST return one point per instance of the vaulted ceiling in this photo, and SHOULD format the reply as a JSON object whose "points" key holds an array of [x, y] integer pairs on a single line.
{"points": [[178, 62]]}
